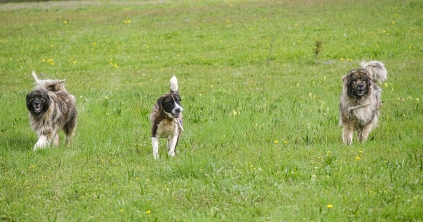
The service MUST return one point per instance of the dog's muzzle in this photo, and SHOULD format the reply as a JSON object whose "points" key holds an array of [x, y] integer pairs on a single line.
{"points": [[360, 89], [37, 107], [177, 111]]}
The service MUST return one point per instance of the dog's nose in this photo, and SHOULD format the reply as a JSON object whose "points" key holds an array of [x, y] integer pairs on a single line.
{"points": [[177, 110], [360, 85]]}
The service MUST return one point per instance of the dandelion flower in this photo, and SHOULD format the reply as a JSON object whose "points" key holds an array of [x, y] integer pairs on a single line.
{"points": [[148, 212], [329, 206], [276, 142], [357, 158], [285, 142]]}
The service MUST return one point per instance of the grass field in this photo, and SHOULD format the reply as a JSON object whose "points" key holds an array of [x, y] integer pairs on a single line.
{"points": [[261, 140]]}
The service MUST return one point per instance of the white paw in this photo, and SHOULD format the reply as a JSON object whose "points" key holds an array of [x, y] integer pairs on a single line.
{"points": [[41, 143], [172, 153], [156, 156]]}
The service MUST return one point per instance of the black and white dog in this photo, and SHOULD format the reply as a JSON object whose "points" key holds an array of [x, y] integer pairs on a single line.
{"points": [[166, 120]]}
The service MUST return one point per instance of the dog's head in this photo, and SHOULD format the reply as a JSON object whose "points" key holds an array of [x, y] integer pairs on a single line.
{"points": [[171, 104], [358, 83], [37, 101]]}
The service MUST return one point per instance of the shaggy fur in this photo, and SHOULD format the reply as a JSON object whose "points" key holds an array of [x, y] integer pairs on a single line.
{"points": [[51, 108], [361, 100], [166, 120]]}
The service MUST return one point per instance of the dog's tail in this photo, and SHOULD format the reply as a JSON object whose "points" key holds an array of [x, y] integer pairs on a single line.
{"points": [[173, 85], [35, 76], [49, 84], [376, 69]]}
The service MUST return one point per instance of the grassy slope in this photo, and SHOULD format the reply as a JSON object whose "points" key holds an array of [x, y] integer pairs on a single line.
{"points": [[261, 140]]}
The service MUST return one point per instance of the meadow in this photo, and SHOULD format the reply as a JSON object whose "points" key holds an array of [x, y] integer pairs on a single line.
{"points": [[260, 83]]}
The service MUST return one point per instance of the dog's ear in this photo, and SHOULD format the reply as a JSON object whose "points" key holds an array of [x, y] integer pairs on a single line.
{"points": [[28, 100], [160, 101], [345, 78], [177, 97]]}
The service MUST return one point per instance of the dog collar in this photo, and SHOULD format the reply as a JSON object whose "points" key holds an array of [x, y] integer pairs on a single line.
{"points": [[358, 106]]}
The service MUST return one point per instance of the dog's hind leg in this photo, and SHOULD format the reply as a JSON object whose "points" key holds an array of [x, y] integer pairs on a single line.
{"points": [[168, 144], [69, 132], [155, 143], [69, 128], [347, 134]]}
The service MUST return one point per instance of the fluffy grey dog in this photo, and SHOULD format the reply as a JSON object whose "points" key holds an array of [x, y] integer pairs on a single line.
{"points": [[51, 108], [361, 100]]}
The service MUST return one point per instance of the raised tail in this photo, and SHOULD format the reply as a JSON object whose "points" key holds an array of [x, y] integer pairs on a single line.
{"points": [[173, 85], [376, 69], [35, 76], [49, 84]]}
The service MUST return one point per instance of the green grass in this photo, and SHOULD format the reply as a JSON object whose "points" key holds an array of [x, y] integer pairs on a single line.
{"points": [[261, 139]]}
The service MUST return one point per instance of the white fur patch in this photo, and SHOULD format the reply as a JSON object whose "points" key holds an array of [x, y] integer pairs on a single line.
{"points": [[174, 84], [177, 106], [155, 142], [376, 69], [42, 142]]}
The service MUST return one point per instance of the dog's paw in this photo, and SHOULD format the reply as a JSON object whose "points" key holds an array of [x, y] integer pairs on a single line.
{"points": [[156, 156], [41, 143]]}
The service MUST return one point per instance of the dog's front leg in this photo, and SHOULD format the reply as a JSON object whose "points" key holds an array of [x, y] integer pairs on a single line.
{"points": [[42, 142], [155, 143], [365, 133], [56, 141], [347, 134], [172, 144]]}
